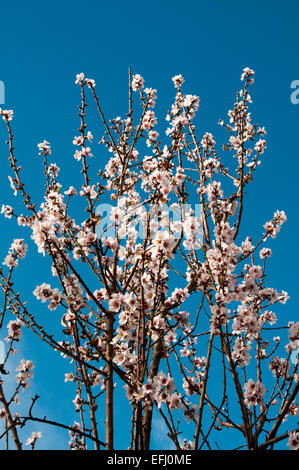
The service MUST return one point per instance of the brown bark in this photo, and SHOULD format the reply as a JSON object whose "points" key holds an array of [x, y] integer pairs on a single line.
{"points": [[109, 386], [148, 414], [283, 412], [91, 404], [203, 394], [10, 419]]}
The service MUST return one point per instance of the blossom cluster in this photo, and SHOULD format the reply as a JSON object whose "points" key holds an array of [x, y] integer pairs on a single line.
{"points": [[16, 251], [170, 293]]}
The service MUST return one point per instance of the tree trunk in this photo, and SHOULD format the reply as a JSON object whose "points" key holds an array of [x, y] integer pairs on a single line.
{"points": [[109, 386], [148, 414], [9, 419]]}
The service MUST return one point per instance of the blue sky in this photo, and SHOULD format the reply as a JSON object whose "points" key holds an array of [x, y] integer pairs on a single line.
{"points": [[43, 45]]}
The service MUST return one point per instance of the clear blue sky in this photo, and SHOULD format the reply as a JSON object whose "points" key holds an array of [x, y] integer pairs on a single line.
{"points": [[44, 44]]}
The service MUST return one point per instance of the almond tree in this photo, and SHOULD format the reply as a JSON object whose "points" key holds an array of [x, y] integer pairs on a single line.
{"points": [[163, 295]]}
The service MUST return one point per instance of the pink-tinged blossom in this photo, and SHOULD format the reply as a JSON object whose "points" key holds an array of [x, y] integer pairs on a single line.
{"points": [[43, 228], [55, 299], [187, 445], [137, 82], [209, 142], [279, 367], [163, 243], [43, 292], [33, 438], [151, 96], [219, 318], [240, 352], [268, 316], [162, 389], [89, 136], [7, 114], [247, 247], [214, 191], [69, 377], [78, 140], [71, 191], [265, 253], [97, 379], [76, 442], [280, 217], [14, 330], [152, 136], [86, 238], [84, 152], [254, 393], [170, 337], [149, 120], [178, 296], [25, 369], [12, 185], [192, 228], [115, 302], [190, 412], [53, 170], [116, 214], [23, 221], [10, 261], [90, 82], [159, 323], [191, 101], [17, 251], [44, 148], [260, 146], [293, 441], [25, 366], [178, 81], [111, 242], [19, 247], [175, 401], [77, 155], [246, 321], [7, 211], [191, 386], [79, 78], [293, 335], [78, 402], [247, 74], [274, 226], [223, 232]]}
